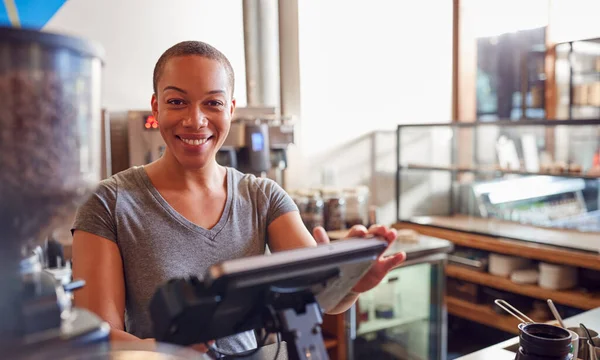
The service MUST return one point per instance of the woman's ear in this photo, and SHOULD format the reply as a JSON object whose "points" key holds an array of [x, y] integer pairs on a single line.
{"points": [[154, 105], [232, 107]]}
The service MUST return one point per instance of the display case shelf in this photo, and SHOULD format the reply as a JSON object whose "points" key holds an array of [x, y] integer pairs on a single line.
{"points": [[483, 170], [490, 236], [382, 324], [575, 298], [540, 173]]}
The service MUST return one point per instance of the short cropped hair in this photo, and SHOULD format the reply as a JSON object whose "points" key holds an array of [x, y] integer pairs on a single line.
{"points": [[198, 48]]}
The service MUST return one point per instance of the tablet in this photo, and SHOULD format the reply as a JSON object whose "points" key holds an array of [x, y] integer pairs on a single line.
{"points": [[231, 297]]}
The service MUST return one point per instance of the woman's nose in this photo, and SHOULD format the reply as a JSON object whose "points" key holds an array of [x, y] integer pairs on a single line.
{"points": [[196, 120]]}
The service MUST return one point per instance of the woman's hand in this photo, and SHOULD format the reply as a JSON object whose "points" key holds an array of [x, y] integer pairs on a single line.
{"points": [[203, 348], [382, 266]]}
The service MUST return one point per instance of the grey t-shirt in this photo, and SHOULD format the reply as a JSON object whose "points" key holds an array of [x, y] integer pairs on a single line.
{"points": [[157, 243]]}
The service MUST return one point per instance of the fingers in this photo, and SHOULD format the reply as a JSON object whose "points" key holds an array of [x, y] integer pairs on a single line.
{"points": [[393, 261], [203, 348], [320, 235], [357, 231], [383, 231]]}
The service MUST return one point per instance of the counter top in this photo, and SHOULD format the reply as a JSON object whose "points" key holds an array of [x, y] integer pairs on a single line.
{"points": [[503, 237], [501, 351], [571, 239], [424, 246]]}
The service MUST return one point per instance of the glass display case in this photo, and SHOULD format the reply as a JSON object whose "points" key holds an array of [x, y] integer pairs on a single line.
{"points": [[577, 71], [538, 174], [404, 317]]}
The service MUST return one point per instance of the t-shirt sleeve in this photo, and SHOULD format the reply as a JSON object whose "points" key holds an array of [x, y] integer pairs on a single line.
{"points": [[97, 214], [279, 201]]}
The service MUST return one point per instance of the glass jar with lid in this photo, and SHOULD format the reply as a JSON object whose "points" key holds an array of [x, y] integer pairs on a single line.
{"points": [[300, 199], [335, 209], [357, 206], [314, 211]]}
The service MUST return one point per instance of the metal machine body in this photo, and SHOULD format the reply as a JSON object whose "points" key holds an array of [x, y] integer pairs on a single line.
{"points": [[257, 141]]}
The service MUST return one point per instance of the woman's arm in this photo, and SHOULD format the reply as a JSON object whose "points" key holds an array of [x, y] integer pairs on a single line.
{"points": [[98, 261]]}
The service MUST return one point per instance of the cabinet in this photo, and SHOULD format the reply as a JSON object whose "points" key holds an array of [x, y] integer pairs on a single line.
{"points": [[404, 317], [543, 175], [526, 189]]}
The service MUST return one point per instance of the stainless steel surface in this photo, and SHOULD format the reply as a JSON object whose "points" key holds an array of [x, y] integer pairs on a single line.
{"points": [[261, 44], [145, 145], [105, 153], [289, 58]]}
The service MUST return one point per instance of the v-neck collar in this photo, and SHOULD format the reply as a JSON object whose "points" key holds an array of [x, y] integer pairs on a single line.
{"points": [[208, 233]]}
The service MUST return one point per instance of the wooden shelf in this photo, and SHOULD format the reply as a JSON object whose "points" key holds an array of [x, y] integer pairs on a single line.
{"points": [[330, 342], [469, 232], [574, 298], [482, 314]]}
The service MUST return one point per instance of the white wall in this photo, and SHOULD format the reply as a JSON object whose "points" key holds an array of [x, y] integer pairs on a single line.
{"points": [[364, 66], [367, 66], [135, 32]]}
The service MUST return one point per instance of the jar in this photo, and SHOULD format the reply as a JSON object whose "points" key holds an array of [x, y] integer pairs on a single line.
{"points": [[543, 341], [335, 209], [357, 210], [300, 199], [314, 213]]}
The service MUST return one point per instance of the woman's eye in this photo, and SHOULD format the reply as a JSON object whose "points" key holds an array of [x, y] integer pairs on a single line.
{"points": [[215, 103], [175, 102]]}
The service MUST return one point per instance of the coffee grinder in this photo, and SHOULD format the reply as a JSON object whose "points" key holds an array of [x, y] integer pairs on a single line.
{"points": [[50, 163]]}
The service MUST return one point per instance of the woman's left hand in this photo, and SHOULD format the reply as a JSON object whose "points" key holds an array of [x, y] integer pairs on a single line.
{"points": [[382, 266]]}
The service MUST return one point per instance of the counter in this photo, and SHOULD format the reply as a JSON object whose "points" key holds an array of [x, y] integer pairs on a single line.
{"points": [[502, 351]]}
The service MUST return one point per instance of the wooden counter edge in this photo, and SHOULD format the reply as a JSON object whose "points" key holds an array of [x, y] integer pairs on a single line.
{"points": [[506, 246]]}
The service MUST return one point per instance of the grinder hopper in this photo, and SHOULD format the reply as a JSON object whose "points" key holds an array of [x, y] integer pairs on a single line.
{"points": [[49, 148]]}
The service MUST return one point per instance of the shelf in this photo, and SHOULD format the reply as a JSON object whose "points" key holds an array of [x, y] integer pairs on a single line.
{"points": [[493, 171], [574, 298], [381, 324], [586, 73], [508, 238], [482, 314]]}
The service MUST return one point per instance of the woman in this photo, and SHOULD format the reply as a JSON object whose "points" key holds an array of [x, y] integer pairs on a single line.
{"points": [[184, 212]]}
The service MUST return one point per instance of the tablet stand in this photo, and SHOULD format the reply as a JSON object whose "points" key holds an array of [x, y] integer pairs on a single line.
{"points": [[277, 293], [299, 321]]}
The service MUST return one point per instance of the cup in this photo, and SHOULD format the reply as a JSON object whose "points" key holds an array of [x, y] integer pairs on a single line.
{"points": [[584, 349], [594, 351], [574, 344], [543, 341]]}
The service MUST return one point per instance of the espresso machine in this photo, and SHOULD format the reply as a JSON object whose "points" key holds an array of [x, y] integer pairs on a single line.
{"points": [[257, 142]]}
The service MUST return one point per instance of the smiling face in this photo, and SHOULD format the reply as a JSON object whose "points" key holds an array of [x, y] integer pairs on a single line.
{"points": [[194, 106]]}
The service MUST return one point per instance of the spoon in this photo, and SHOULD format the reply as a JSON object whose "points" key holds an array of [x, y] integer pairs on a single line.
{"points": [[556, 314], [589, 335]]}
